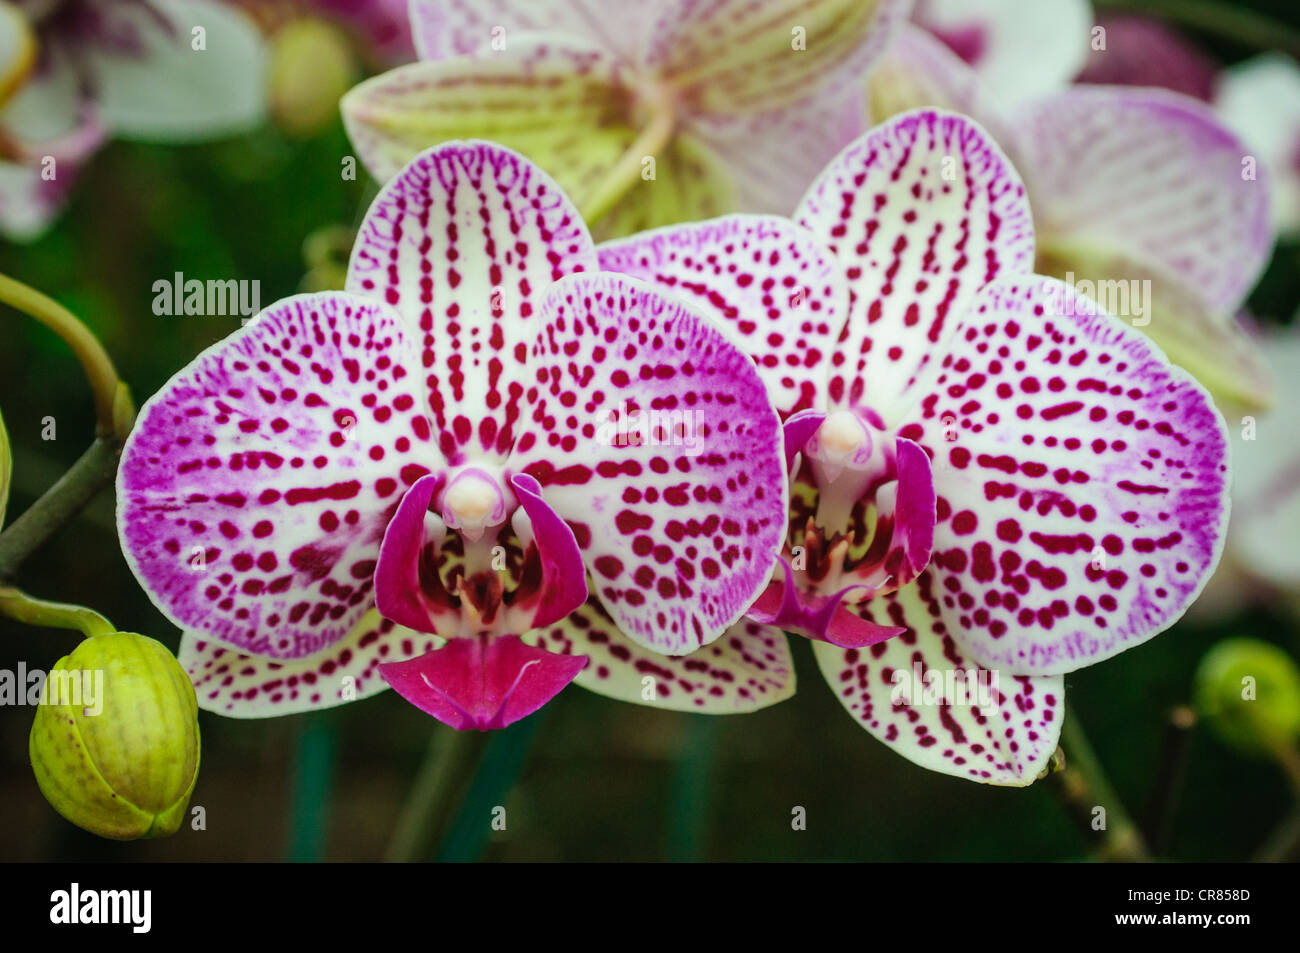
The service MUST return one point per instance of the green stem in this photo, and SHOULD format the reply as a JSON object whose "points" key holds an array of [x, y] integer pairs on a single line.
{"points": [[502, 761], [1082, 786], [1246, 27], [616, 183], [692, 790], [93, 471], [113, 407], [21, 607], [312, 782], [433, 797]]}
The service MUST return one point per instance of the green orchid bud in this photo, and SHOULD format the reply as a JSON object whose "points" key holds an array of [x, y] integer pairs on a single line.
{"points": [[115, 744], [1249, 692], [312, 66]]}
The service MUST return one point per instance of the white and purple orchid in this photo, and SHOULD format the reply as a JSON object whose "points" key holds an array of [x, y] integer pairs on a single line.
{"points": [[653, 112], [75, 73], [1128, 186], [408, 482], [988, 472]]}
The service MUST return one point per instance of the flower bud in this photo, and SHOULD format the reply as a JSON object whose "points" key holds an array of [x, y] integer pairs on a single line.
{"points": [[115, 744], [312, 66], [1249, 692]]}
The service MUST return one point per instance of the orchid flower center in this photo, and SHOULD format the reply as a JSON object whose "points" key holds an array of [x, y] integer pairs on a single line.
{"points": [[850, 455], [473, 502]]}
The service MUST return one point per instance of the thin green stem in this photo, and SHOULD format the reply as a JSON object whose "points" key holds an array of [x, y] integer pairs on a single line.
{"points": [[21, 607], [614, 184], [114, 409], [483, 810], [93, 471], [313, 780], [1082, 787], [433, 797], [691, 797]]}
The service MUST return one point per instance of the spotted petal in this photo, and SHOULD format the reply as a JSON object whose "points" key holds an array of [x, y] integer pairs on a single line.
{"points": [[1083, 504], [922, 211], [256, 486], [748, 668], [768, 281], [988, 726], [730, 56], [653, 436], [248, 686], [463, 243]]}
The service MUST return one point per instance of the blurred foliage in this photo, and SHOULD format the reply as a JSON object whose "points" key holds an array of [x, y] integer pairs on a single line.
{"points": [[601, 778]]}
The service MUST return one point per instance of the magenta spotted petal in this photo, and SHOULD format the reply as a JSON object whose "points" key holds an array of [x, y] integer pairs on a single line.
{"points": [[749, 667], [258, 482], [923, 211], [1083, 503], [251, 686], [653, 436], [919, 694], [769, 282], [464, 241]]}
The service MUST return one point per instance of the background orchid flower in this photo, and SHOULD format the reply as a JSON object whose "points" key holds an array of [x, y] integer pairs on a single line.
{"points": [[991, 473], [428, 444], [74, 73], [1019, 50], [653, 112], [1145, 51], [1127, 185], [1260, 101]]}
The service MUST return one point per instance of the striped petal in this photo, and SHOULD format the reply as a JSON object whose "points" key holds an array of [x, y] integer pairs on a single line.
{"points": [[256, 486], [988, 726], [445, 28], [653, 436], [1151, 176], [249, 686], [922, 212], [1019, 50], [731, 56], [1083, 503], [464, 243], [563, 106], [766, 280], [748, 668]]}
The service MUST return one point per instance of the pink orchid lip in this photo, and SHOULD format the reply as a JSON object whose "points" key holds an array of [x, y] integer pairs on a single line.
{"points": [[483, 682], [822, 618]]}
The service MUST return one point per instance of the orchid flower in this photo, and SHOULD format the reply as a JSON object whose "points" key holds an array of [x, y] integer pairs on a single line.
{"points": [[1128, 186], [1260, 101], [654, 112], [988, 472], [74, 73], [410, 482], [1145, 51], [1019, 50]]}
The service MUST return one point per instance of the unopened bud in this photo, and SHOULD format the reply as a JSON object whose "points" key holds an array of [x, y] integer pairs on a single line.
{"points": [[115, 744], [1249, 692]]}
